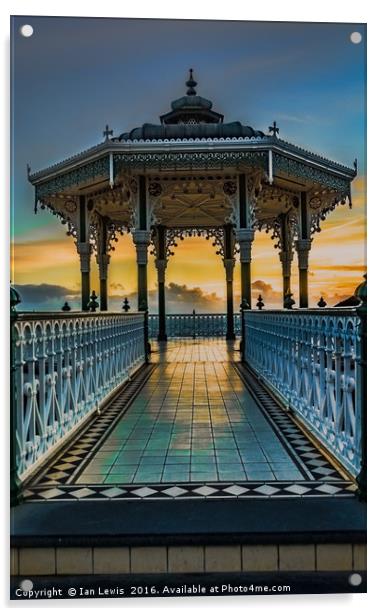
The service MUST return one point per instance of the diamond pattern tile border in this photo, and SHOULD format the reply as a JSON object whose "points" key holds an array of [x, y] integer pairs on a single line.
{"points": [[275, 489]]}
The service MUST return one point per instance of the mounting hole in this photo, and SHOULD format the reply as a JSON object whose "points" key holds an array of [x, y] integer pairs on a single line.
{"points": [[356, 38], [26, 30], [26, 585], [355, 579]]}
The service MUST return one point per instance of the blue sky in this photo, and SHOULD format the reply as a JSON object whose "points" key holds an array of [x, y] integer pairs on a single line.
{"points": [[74, 75]]}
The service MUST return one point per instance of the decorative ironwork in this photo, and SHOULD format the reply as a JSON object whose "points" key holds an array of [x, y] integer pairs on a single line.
{"points": [[230, 188], [107, 133], [310, 359], [214, 233], [260, 303], [305, 170], [188, 160], [80, 175], [322, 303], [273, 129], [64, 369], [93, 303], [126, 305]]}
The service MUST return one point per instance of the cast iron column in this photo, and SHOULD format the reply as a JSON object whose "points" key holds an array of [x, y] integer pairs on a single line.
{"points": [[229, 263], [83, 249], [161, 268], [141, 238], [103, 262], [303, 245], [245, 237], [285, 255]]}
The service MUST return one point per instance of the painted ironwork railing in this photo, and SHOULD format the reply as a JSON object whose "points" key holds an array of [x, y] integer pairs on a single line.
{"points": [[194, 325], [64, 368], [311, 359]]}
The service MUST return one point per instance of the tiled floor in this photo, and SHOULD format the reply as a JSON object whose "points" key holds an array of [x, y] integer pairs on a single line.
{"points": [[194, 420]]}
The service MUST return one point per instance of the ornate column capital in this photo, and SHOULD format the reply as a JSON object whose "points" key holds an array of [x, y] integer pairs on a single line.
{"points": [[245, 239], [161, 265], [141, 239], [103, 263], [229, 268], [84, 251], [303, 247]]}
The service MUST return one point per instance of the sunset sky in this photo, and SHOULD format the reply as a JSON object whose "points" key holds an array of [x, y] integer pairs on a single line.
{"points": [[75, 75]]}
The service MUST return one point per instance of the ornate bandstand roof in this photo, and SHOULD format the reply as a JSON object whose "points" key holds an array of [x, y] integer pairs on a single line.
{"points": [[192, 150]]}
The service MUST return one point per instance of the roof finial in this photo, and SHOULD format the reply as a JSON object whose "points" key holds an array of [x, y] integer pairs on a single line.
{"points": [[191, 84]]}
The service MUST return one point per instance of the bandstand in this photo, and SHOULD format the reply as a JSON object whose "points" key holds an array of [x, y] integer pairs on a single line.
{"points": [[193, 174], [200, 456]]}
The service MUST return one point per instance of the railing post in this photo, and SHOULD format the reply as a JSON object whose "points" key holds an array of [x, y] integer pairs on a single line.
{"points": [[144, 308], [361, 293], [14, 477], [194, 328], [244, 306]]}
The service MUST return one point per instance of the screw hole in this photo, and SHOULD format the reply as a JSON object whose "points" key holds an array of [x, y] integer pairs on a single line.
{"points": [[26, 30], [355, 579], [356, 38], [26, 585]]}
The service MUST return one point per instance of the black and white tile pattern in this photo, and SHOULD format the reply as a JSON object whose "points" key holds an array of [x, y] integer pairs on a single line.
{"points": [[62, 479]]}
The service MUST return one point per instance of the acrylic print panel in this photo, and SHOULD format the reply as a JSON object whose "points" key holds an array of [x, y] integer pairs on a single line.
{"points": [[188, 308]]}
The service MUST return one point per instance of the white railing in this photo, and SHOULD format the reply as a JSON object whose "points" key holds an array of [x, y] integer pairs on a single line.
{"points": [[194, 325], [311, 359], [64, 368]]}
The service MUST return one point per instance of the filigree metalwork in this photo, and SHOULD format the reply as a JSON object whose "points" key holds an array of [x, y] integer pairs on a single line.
{"points": [[172, 234], [188, 160], [305, 170], [80, 175], [311, 359], [65, 366]]}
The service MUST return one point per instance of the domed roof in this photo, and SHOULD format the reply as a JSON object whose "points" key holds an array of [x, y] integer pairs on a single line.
{"points": [[191, 117]]}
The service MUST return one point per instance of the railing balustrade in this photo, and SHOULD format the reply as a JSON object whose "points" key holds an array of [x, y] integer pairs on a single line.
{"points": [[64, 368], [311, 360], [196, 325]]}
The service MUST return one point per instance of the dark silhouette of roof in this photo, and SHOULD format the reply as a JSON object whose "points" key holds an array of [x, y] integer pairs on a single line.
{"points": [[191, 117]]}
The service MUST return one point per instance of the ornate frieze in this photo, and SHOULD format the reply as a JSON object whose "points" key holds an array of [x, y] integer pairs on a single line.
{"points": [[304, 170], [187, 160], [75, 177]]}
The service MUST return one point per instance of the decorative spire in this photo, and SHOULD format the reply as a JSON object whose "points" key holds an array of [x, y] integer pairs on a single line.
{"points": [[191, 84], [274, 129], [107, 133]]}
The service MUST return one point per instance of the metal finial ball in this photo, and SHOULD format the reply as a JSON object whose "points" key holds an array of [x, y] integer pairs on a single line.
{"points": [[289, 301], [126, 305], [15, 299], [93, 303], [260, 303]]}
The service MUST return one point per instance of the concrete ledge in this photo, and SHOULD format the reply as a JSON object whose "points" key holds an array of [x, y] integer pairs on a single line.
{"points": [[187, 559], [193, 522]]}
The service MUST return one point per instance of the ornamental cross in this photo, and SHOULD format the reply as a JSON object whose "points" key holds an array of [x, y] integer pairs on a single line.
{"points": [[274, 129], [107, 133]]}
